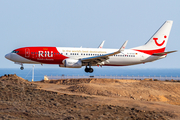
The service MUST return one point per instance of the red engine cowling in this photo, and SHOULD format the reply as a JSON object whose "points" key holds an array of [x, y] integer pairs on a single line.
{"points": [[71, 63]]}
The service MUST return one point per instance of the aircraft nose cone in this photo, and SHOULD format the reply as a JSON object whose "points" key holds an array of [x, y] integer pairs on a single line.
{"points": [[8, 56]]}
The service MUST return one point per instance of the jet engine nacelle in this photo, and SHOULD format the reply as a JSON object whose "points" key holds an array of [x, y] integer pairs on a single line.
{"points": [[71, 63]]}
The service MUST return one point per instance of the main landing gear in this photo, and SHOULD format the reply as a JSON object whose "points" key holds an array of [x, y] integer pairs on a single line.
{"points": [[90, 70]]}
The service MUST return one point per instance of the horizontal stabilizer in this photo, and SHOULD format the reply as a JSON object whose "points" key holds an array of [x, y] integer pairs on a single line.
{"points": [[164, 53]]}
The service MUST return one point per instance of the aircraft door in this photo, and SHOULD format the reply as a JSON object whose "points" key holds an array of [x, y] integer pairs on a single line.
{"points": [[27, 52]]}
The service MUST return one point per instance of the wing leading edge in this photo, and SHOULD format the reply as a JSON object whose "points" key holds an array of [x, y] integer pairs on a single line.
{"points": [[99, 60]]}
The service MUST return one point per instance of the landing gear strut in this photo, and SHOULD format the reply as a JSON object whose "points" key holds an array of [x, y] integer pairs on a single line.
{"points": [[22, 68], [90, 70]]}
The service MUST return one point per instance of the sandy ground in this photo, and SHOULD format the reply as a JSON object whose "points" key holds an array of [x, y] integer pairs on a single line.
{"points": [[88, 99], [140, 94]]}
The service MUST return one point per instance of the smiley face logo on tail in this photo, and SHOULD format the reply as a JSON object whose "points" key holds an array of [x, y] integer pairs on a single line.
{"points": [[159, 44]]}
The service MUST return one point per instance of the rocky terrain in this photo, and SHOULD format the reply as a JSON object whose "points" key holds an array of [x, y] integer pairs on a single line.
{"points": [[70, 99]]}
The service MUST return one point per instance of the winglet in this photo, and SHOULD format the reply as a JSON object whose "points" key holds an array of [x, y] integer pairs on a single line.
{"points": [[101, 45], [123, 46]]}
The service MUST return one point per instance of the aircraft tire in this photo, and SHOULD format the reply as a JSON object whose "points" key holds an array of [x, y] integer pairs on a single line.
{"points": [[86, 69], [91, 70], [22, 68]]}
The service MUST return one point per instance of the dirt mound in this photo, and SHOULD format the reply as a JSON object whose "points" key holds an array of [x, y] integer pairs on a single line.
{"points": [[167, 92], [20, 99], [79, 81], [94, 89], [67, 81], [13, 77]]}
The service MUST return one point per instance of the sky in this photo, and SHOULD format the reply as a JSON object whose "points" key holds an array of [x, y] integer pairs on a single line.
{"points": [[86, 23]]}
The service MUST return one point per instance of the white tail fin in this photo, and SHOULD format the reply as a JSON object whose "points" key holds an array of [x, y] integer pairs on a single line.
{"points": [[159, 40]]}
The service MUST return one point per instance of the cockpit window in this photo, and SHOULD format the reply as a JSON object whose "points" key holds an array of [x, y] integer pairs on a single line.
{"points": [[14, 51]]}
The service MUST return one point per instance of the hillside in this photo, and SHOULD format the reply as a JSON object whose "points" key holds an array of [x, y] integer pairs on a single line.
{"points": [[88, 99]]}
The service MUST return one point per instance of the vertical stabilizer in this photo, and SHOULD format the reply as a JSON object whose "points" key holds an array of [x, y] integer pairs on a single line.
{"points": [[159, 40]]}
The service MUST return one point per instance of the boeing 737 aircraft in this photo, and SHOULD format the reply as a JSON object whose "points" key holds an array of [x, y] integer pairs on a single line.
{"points": [[68, 57]]}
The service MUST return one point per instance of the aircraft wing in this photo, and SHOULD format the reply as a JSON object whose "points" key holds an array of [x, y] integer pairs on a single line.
{"points": [[102, 58], [164, 53]]}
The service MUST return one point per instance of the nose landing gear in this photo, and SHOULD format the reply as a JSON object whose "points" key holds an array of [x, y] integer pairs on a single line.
{"points": [[22, 68]]}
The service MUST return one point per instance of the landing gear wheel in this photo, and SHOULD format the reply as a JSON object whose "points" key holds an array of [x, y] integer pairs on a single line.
{"points": [[86, 69], [22, 68], [90, 70]]}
